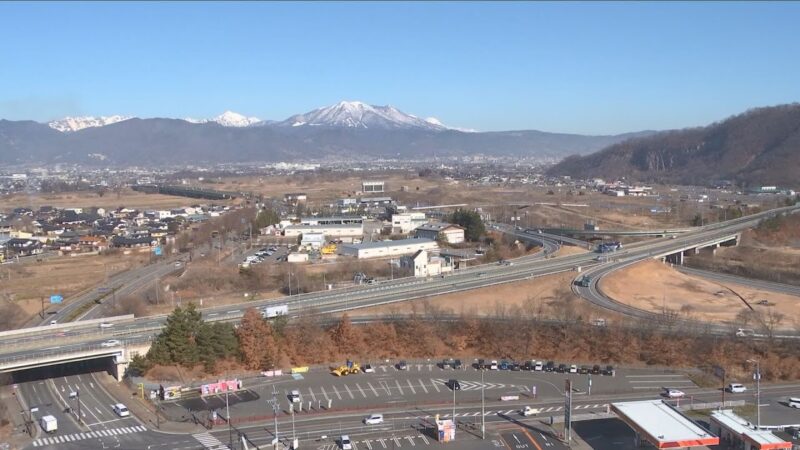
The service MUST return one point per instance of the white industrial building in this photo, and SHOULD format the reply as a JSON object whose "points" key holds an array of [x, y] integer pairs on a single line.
{"points": [[385, 249], [406, 223], [332, 230], [338, 220], [314, 241], [453, 234], [373, 186]]}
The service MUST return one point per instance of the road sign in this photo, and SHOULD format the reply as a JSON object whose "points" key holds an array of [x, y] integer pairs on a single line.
{"points": [[56, 299], [157, 251]]}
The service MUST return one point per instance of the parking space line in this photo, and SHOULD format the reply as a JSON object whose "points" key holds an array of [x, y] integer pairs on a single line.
{"points": [[399, 387], [422, 385], [433, 382], [419, 367], [396, 441], [411, 387], [313, 397], [362, 390], [411, 440], [385, 387], [367, 442], [424, 439], [373, 389], [322, 388], [336, 391], [349, 393], [383, 442]]}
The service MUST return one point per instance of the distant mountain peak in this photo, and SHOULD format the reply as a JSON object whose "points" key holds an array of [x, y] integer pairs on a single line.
{"points": [[72, 124], [229, 119], [356, 114]]}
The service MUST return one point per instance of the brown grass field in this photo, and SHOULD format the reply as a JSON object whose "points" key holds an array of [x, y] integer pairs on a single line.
{"points": [[86, 199]]}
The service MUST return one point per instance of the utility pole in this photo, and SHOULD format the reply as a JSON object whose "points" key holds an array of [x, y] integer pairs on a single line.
{"points": [[78, 397], [42, 314], [228, 415], [454, 404], [757, 377], [483, 407], [275, 410]]}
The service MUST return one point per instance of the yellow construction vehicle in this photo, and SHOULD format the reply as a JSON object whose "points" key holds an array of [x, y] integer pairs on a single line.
{"points": [[329, 249], [349, 368]]}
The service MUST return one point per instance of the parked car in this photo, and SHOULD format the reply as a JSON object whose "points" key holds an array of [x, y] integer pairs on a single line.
{"points": [[367, 368], [673, 393], [453, 384], [493, 365], [596, 370], [609, 370], [515, 367], [447, 363], [481, 364], [736, 388], [345, 441], [528, 365], [504, 365], [584, 370], [373, 419], [294, 396], [457, 364], [402, 365], [550, 366], [538, 366], [562, 368], [573, 369]]}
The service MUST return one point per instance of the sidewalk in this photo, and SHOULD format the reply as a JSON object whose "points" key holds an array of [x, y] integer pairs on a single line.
{"points": [[14, 434], [144, 410]]}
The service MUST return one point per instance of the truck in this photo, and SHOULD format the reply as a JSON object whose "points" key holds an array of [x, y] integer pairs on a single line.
{"points": [[271, 312], [49, 424], [584, 281], [607, 247]]}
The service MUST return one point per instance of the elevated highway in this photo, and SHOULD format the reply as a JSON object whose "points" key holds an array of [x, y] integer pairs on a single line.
{"points": [[15, 354]]}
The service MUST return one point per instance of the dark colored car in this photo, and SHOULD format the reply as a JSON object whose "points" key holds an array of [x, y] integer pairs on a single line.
{"points": [[562, 368], [550, 366], [596, 370], [447, 363], [515, 367], [481, 364], [454, 384], [584, 370], [504, 365], [457, 364], [402, 365], [609, 370], [528, 365]]}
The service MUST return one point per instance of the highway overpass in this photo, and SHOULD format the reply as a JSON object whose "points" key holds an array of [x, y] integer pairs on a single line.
{"points": [[83, 338]]}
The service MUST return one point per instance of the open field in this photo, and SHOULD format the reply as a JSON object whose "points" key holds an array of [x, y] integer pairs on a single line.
{"points": [[654, 286], [548, 297], [24, 286], [86, 199]]}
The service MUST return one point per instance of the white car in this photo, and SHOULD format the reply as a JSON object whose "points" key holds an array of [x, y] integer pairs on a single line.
{"points": [[673, 393], [573, 369], [368, 368], [106, 325], [493, 365], [121, 410], [111, 343], [294, 396], [373, 419], [528, 411], [736, 388], [538, 367], [345, 441]]}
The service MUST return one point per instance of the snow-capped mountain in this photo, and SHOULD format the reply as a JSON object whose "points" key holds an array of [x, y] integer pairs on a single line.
{"points": [[361, 115], [229, 119], [72, 124]]}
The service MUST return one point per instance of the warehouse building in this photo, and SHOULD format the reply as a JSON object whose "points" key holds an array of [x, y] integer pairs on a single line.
{"points": [[338, 220], [385, 249], [333, 230], [452, 234]]}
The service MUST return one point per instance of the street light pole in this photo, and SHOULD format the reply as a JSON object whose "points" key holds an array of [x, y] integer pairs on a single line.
{"points": [[757, 376], [454, 404], [483, 407], [78, 397], [228, 414]]}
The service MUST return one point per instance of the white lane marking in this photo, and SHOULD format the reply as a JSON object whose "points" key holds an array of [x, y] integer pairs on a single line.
{"points": [[349, 393], [399, 387], [361, 390], [373, 389], [424, 439], [422, 385], [324, 393], [336, 391], [433, 382], [313, 397], [411, 387]]}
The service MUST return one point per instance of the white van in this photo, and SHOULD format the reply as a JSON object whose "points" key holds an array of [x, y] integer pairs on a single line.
{"points": [[736, 388], [121, 410], [294, 396], [794, 402]]}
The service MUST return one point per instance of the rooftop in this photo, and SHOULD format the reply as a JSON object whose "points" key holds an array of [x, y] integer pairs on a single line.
{"points": [[397, 243], [662, 425]]}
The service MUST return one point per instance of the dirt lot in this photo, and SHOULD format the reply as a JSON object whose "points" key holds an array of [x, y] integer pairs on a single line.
{"points": [[548, 296], [653, 286], [24, 285], [85, 199]]}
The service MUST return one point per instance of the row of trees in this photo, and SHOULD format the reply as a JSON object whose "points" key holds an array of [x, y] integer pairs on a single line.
{"points": [[260, 344]]}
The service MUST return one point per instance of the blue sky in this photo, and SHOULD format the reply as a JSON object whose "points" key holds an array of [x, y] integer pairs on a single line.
{"points": [[568, 67]]}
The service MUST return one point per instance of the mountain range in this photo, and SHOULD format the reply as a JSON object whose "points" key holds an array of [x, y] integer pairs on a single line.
{"points": [[760, 146], [347, 131]]}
